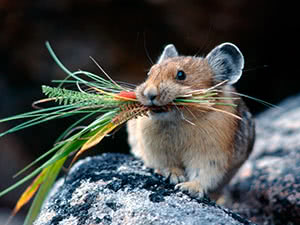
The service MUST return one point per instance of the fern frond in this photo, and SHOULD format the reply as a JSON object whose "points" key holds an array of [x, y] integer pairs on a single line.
{"points": [[67, 97]]}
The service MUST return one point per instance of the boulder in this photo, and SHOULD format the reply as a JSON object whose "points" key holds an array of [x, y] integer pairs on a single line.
{"points": [[117, 189], [267, 188]]}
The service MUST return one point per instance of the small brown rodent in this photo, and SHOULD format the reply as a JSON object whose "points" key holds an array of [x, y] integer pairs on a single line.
{"points": [[199, 151]]}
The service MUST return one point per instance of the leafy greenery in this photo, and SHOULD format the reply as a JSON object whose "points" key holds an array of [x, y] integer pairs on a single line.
{"points": [[100, 97]]}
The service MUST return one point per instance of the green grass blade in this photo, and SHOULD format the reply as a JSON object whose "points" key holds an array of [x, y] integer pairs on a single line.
{"points": [[257, 100], [74, 125], [65, 111], [43, 191], [20, 182], [32, 114], [70, 147], [36, 120], [191, 100], [48, 46], [55, 167], [58, 62], [225, 104], [56, 147]]}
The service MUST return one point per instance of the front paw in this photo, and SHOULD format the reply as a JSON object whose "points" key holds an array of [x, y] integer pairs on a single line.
{"points": [[175, 175], [192, 187]]}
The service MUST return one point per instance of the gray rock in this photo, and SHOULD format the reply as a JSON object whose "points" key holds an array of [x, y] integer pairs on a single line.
{"points": [[116, 189], [267, 188]]}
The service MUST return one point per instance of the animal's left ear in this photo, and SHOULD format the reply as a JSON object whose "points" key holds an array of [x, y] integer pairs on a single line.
{"points": [[227, 62], [169, 52]]}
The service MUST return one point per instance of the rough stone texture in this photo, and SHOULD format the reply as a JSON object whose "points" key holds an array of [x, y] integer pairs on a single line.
{"points": [[116, 189], [267, 188]]}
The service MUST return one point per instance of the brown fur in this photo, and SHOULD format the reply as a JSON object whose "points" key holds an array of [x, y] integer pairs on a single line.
{"points": [[196, 149]]}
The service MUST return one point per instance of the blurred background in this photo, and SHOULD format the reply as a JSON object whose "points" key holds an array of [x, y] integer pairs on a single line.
{"points": [[122, 36]]}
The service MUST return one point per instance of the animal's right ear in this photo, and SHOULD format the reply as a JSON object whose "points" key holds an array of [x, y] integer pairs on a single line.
{"points": [[169, 52]]}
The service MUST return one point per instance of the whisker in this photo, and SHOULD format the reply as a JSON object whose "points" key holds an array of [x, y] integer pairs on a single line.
{"points": [[223, 111], [217, 85], [206, 90], [192, 114], [182, 116], [252, 98], [255, 68], [146, 51]]}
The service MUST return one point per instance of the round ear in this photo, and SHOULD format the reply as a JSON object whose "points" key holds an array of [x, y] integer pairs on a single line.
{"points": [[227, 62], [169, 52]]}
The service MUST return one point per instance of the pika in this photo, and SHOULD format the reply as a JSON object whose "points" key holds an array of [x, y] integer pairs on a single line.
{"points": [[198, 151]]}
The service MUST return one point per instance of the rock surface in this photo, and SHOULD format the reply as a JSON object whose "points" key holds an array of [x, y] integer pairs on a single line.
{"points": [[267, 188], [116, 189]]}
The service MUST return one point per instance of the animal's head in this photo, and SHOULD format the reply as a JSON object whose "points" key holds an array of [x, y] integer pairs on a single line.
{"points": [[174, 75]]}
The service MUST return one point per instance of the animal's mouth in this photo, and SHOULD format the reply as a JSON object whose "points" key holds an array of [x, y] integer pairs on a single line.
{"points": [[160, 109]]}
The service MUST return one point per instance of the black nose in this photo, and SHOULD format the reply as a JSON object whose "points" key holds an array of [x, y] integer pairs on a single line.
{"points": [[151, 93], [151, 96]]}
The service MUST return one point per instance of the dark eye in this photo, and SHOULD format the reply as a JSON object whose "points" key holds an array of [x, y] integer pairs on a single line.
{"points": [[180, 75]]}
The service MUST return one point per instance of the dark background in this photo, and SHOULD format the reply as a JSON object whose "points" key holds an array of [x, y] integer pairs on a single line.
{"points": [[119, 35]]}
